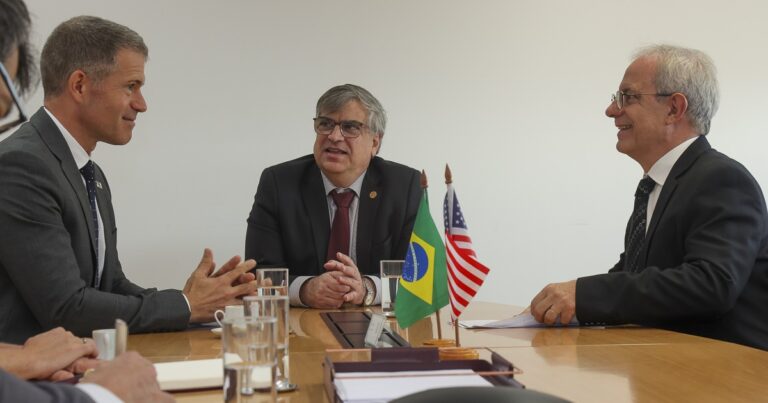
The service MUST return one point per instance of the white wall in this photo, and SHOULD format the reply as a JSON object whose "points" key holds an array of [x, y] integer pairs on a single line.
{"points": [[510, 93]]}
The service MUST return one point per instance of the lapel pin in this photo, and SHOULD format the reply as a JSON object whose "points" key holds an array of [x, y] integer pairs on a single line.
{"points": [[98, 185], [373, 194]]}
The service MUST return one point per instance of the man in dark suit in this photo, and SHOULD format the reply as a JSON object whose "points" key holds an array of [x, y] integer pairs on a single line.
{"points": [[696, 247], [58, 248], [295, 220]]}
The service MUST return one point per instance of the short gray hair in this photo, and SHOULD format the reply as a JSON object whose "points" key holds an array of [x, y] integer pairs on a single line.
{"points": [[85, 43], [338, 96], [690, 72]]}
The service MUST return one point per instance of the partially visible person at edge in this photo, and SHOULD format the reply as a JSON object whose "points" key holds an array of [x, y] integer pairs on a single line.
{"points": [[16, 57]]}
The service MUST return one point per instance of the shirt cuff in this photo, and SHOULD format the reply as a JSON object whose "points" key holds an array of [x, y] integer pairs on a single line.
{"points": [[295, 288], [98, 393]]}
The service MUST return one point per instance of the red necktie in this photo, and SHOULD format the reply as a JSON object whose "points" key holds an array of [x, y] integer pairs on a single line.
{"points": [[339, 240]]}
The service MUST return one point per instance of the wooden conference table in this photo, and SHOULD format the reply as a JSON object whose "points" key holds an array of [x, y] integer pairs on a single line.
{"points": [[620, 364]]}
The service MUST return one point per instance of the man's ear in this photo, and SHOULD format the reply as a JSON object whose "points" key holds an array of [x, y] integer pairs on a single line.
{"points": [[678, 106], [77, 85], [376, 144]]}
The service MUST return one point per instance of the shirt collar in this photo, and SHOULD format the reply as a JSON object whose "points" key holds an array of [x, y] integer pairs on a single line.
{"points": [[660, 170], [356, 186], [78, 152]]}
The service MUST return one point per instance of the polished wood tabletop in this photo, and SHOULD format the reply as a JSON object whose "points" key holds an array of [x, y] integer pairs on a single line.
{"points": [[613, 364]]}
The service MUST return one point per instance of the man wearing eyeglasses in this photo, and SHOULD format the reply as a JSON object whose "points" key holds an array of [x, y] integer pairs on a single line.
{"points": [[332, 216], [696, 245], [16, 62]]}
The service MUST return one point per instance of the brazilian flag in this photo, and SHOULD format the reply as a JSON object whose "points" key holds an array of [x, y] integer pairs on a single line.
{"points": [[424, 286]]}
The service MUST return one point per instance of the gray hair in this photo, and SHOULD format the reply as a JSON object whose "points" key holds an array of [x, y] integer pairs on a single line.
{"points": [[85, 43], [14, 33], [338, 96], [690, 72]]}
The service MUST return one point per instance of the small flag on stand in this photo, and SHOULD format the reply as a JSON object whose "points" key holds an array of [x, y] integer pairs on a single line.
{"points": [[423, 285], [465, 273]]}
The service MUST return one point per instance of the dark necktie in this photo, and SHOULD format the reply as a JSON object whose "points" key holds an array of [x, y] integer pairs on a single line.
{"points": [[637, 224], [339, 240], [89, 174]]}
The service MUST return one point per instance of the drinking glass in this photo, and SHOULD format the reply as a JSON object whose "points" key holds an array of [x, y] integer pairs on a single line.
{"points": [[275, 306], [272, 281], [249, 355], [391, 271]]}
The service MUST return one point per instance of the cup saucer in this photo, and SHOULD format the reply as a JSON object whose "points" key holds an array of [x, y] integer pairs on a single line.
{"points": [[216, 331]]}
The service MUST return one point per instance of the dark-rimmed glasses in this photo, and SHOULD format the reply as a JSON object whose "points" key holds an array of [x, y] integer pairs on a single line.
{"points": [[620, 97], [349, 128], [16, 100]]}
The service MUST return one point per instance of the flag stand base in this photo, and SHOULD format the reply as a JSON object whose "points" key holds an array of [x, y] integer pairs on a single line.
{"points": [[448, 350], [440, 343]]}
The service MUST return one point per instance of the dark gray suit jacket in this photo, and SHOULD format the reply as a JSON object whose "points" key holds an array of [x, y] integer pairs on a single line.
{"points": [[705, 258], [47, 245], [289, 225], [13, 389]]}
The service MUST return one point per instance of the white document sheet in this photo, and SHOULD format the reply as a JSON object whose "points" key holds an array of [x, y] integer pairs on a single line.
{"points": [[521, 320], [193, 374], [372, 387]]}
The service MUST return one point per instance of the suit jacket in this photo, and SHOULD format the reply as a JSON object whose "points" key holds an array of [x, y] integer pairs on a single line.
{"points": [[704, 258], [47, 244], [289, 224], [13, 389]]}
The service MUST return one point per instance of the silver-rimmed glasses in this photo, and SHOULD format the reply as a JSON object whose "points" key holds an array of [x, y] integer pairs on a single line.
{"points": [[349, 128], [621, 97]]}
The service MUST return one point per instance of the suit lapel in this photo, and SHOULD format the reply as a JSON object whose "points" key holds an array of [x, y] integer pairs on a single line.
{"points": [[686, 160], [54, 139], [370, 194], [316, 207]]}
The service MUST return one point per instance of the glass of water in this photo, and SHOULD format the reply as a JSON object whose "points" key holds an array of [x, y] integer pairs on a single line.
{"points": [[391, 271], [249, 354], [278, 307], [272, 281]]}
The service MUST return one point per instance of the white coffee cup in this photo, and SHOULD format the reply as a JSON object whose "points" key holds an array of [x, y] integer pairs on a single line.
{"points": [[105, 343], [229, 312]]}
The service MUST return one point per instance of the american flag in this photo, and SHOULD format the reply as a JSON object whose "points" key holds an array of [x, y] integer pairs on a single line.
{"points": [[465, 273]]}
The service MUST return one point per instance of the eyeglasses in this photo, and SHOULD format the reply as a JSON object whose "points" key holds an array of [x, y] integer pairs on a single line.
{"points": [[349, 128], [15, 96], [621, 97]]}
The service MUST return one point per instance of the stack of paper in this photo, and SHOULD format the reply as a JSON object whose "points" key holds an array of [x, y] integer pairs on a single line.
{"points": [[521, 320], [197, 374], [369, 387]]}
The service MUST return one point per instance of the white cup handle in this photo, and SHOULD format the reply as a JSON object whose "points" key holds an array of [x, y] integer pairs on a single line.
{"points": [[216, 316]]}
